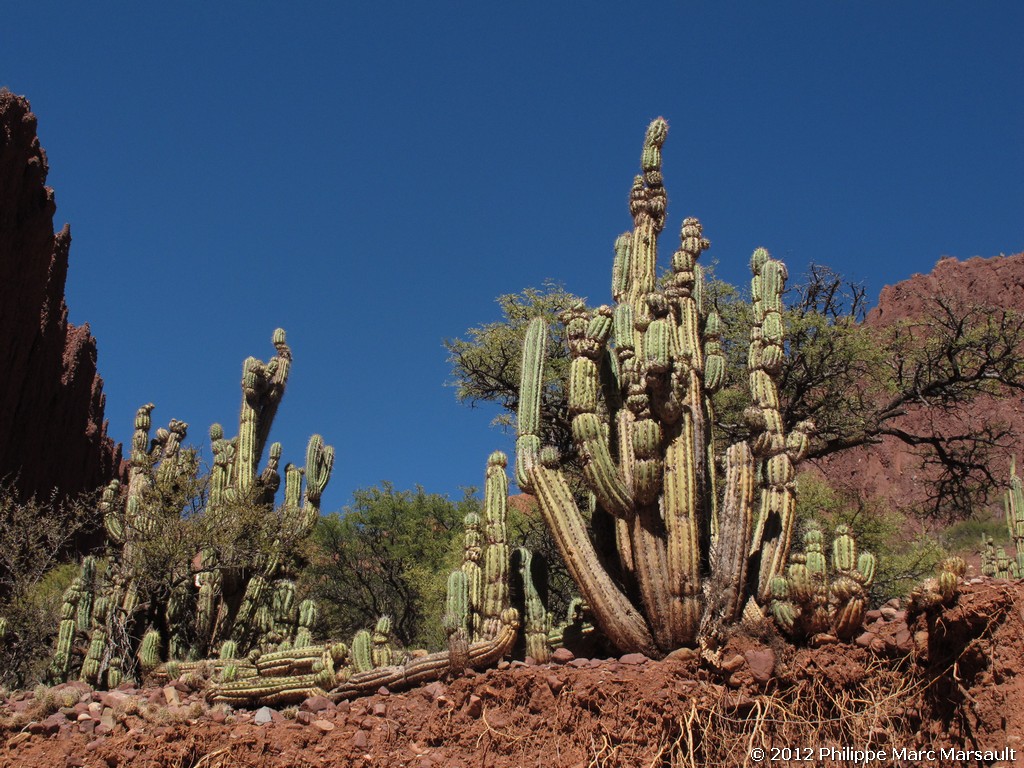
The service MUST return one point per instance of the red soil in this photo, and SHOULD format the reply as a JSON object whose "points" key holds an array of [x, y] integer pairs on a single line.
{"points": [[950, 680]]}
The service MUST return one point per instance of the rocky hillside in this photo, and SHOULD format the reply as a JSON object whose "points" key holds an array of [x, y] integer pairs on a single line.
{"points": [[52, 433], [891, 469]]}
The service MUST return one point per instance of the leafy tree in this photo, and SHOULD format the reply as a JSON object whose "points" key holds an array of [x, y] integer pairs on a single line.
{"points": [[389, 553]]}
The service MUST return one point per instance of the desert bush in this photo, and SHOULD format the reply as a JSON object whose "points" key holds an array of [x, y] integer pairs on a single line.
{"points": [[388, 553], [34, 536]]}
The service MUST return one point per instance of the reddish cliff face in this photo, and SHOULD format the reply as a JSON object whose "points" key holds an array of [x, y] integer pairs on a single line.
{"points": [[52, 434], [890, 469]]}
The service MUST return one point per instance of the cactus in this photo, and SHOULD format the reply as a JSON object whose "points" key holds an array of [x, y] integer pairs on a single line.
{"points": [[1014, 506], [209, 606], [531, 586], [639, 396], [362, 651], [810, 601]]}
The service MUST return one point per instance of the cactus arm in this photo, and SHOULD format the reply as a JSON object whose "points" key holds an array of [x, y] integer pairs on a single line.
{"points": [[480, 655], [729, 555], [620, 621], [530, 390], [683, 534]]}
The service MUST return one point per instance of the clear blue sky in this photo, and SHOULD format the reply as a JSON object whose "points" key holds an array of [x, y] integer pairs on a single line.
{"points": [[370, 176]]}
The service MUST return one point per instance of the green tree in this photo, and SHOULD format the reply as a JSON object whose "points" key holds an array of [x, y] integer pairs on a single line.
{"points": [[389, 553]]}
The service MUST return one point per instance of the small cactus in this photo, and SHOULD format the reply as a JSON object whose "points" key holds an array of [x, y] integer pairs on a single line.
{"points": [[811, 599]]}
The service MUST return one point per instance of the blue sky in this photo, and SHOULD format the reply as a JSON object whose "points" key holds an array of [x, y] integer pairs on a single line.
{"points": [[370, 176]]}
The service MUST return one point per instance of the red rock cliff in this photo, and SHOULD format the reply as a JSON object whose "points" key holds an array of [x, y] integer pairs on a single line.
{"points": [[52, 434], [891, 469]]}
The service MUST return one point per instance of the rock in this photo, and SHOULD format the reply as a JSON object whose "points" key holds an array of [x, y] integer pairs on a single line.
{"points": [[51, 401], [682, 654], [434, 690], [219, 715], [317, 704], [475, 706], [761, 662], [171, 696], [263, 716], [733, 663], [380, 709], [578, 663], [323, 725], [904, 641], [113, 698], [555, 683], [361, 739], [562, 656], [633, 658], [865, 639]]}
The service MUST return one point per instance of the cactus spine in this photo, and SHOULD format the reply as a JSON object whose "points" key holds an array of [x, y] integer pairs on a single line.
{"points": [[647, 445]]}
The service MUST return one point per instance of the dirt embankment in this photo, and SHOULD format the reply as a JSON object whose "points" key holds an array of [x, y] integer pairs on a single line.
{"points": [[951, 680]]}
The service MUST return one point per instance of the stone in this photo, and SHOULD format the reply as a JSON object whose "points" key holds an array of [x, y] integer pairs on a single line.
{"points": [[323, 725], [761, 663], [682, 654], [555, 683], [633, 658], [475, 706], [317, 704], [562, 656], [733, 663], [171, 696], [865, 639], [263, 716], [361, 739]]}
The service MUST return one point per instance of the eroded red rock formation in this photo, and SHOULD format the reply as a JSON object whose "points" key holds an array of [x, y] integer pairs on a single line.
{"points": [[52, 433], [891, 469]]}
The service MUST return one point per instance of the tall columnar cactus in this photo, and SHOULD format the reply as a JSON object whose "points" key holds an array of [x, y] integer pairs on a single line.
{"points": [[639, 395], [208, 603], [1014, 506], [531, 582], [810, 600]]}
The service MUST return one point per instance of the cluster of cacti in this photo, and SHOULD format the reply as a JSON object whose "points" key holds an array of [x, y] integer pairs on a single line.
{"points": [[995, 562], [481, 624], [115, 612], [811, 600], [639, 396]]}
